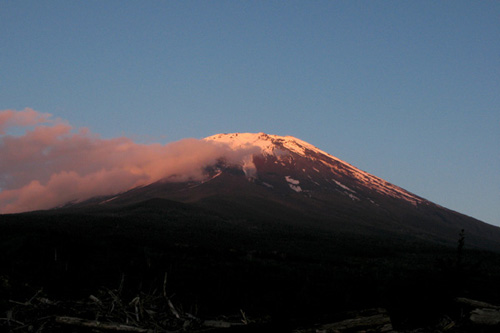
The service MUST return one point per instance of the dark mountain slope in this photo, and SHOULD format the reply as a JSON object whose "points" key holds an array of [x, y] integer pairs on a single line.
{"points": [[220, 263]]}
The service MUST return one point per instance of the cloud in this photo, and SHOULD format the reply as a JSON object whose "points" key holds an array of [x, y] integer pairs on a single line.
{"points": [[27, 117], [51, 163]]}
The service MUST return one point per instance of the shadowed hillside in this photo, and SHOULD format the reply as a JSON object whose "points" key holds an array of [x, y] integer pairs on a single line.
{"points": [[217, 264]]}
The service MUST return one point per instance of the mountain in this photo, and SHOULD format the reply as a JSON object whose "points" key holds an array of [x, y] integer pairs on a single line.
{"points": [[274, 227], [282, 178]]}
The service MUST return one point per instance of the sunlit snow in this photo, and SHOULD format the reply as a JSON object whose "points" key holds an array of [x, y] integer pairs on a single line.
{"points": [[279, 145], [291, 180], [293, 183], [343, 186]]}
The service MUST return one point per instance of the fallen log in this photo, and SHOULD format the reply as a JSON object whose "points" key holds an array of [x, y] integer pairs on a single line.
{"points": [[486, 317], [356, 323], [73, 321], [216, 323], [476, 304], [220, 324]]}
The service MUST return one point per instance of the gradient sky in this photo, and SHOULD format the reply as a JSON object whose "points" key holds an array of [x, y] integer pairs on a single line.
{"points": [[406, 90]]}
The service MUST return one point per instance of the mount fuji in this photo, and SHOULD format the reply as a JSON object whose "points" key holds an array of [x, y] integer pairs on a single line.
{"points": [[284, 179], [273, 226]]}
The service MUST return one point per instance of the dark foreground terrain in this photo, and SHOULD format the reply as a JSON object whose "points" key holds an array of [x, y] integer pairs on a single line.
{"points": [[287, 275]]}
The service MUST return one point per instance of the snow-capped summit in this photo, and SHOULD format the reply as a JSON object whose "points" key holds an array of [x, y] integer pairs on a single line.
{"points": [[316, 169], [269, 144]]}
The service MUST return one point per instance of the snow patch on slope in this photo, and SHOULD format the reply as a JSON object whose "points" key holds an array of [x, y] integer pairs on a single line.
{"points": [[293, 183], [343, 186], [353, 197], [108, 200]]}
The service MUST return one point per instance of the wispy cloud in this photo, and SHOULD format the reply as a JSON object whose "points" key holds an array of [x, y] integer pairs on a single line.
{"points": [[52, 163]]}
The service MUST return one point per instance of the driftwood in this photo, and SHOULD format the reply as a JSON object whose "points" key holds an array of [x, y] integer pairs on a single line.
{"points": [[216, 323], [221, 324], [483, 314], [356, 323], [79, 322], [110, 310], [375, 320], [476, 304], [486, 317]]}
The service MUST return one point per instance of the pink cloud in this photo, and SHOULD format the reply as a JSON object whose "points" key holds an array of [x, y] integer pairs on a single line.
{"points": [[27, 117], [52, 164]]}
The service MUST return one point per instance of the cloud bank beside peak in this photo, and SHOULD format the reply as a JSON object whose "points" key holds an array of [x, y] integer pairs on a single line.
{"points": [[51, 163]]}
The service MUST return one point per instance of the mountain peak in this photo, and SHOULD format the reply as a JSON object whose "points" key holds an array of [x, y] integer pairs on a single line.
{"points": [[268, 143], [309, 164]]}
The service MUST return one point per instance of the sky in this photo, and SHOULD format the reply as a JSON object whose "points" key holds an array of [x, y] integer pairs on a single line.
{"points": [[406, 90]]}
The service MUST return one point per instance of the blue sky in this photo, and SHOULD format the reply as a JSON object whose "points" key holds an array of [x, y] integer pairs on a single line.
{"points": [[406, 90]]}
